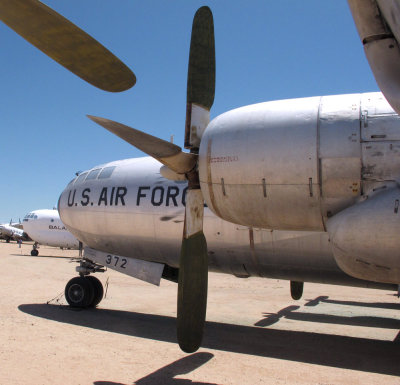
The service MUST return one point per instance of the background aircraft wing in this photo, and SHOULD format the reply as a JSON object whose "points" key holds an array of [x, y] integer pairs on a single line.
{"points": [[378, 24]]}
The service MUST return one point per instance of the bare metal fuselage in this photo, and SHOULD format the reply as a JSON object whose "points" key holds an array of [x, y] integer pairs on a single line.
{"points": [[137, 213], [321, 172]]}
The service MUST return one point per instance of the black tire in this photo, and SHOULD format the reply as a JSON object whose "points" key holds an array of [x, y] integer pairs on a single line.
{"points": [[34, 253], [296, 289], [79, 292], [98, 290]]}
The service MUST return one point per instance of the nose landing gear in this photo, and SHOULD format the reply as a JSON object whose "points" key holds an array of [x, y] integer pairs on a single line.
{"points": [[296, 289], [86, 290], [35, 251]]}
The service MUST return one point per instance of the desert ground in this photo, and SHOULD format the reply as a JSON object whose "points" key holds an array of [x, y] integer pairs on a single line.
{"points": [[255, 332]]}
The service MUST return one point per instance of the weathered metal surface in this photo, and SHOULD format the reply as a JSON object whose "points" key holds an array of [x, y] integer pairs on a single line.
{"points": [[265, 147], [379, 31], [169, 174], [192, 292], [146, 271], [194, 212], [292, 164], [67, 44], [380, 127], [197, 119], [380, 147], [368, 20], [365, 237], [381, 161], [149, 226], [339, 152], [390, 10], [167, 153], [201, 76], [286, 165]]}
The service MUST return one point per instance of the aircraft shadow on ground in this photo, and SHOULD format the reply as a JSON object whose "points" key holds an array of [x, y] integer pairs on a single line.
{"points": [[166, 374], [378, 305], [354, 353], [291, 313]]}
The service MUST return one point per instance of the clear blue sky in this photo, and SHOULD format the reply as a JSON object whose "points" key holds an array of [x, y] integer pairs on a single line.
{"points": [[265, 50]]}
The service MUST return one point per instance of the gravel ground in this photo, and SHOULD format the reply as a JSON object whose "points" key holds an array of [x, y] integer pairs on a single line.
{"points": [[255, 332]]}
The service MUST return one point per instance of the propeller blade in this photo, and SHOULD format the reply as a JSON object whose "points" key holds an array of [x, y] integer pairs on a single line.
{"points": [[193, 263], [193, 276], [201, 71], [165, 152], [201, 77], [67, 44]]}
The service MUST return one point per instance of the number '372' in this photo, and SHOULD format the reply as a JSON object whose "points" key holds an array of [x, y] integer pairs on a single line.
{"points": [[116, 261]]}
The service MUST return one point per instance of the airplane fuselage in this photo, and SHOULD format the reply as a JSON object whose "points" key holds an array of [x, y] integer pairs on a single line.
{"points": [[298, 187], [12, 232], [135, 212]]}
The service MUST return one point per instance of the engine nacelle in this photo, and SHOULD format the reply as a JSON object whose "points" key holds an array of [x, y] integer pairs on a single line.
{"points": [[365, 238], [292, 164]]}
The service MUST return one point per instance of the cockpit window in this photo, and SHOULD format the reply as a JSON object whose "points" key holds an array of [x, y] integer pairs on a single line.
{"points": [[81, 178], [106, 172], [72, 181], [93, 174]]}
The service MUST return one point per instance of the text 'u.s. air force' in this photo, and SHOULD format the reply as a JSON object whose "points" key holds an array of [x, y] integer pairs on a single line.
{"points": [[117, 196]]}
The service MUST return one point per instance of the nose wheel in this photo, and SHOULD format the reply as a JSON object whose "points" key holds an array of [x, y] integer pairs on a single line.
{"points": [[35, 251], [83, 292]]}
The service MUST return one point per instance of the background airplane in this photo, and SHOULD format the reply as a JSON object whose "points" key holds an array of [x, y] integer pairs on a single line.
{"points": [[13, 231], [45, 227]]}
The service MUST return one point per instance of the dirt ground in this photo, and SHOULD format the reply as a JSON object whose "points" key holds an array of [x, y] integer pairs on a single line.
{"points": [[255, 332]]}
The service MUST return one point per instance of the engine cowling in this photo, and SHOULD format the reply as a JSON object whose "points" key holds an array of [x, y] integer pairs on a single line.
{"points": [[365, 238], [292, 164]]}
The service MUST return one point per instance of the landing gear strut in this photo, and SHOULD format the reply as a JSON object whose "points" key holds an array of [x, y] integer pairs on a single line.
{"points": [[86, 290], [35, 251], [296, 289]]}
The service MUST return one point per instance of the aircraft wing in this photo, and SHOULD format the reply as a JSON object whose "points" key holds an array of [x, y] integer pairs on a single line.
{"points": [[378, 24]]}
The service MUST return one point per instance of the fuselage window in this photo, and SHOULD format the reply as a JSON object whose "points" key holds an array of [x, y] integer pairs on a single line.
{"points": [[93, 174], [106, 172], [81, 177]]}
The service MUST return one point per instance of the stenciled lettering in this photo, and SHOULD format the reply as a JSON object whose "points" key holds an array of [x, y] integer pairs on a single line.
{"points": [[85, 196], [172, 193], [157, 199], [71, 201], [141, 194], [103, 197], [121, 192]]}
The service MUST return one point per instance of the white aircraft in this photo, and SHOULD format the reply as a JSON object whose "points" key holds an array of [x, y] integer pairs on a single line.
{"points": [[10, 231], [305, 189], [46, 228]]}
